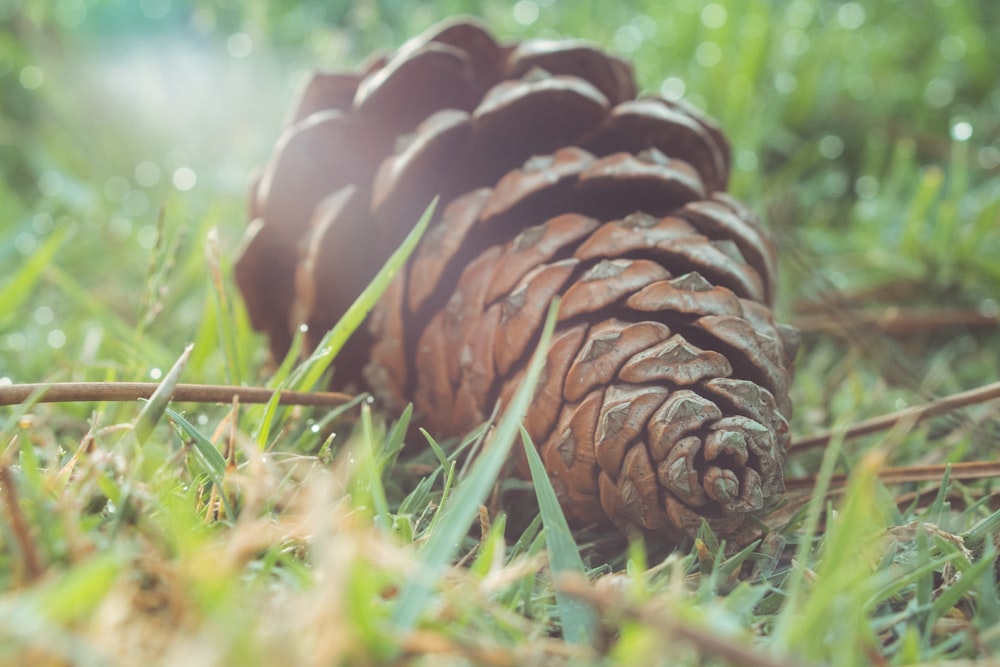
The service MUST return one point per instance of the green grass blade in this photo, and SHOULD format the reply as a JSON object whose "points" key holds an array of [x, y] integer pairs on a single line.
{"points": [[795, 584], [372, 471], [308, 374], [150, 352], [395, 440], [153, 411], [20, 286], [225, 319], [269, 413], [982, 529], [472, 491], [953, 593], [73, 595], [578, 620], [436, 448], [211, 459]]}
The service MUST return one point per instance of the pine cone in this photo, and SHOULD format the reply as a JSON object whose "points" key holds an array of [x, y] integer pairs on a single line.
{"points": [[664, 399]]}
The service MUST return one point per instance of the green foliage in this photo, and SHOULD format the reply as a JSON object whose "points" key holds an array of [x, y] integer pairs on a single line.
{"points": [[578, 622], [471, 491], [866, 134]]}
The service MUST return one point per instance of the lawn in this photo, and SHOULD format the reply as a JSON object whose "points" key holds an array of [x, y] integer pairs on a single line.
{"points": [[866, 135]]}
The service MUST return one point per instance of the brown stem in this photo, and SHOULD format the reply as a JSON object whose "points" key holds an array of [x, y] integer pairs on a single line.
{"points": [[912, 414], [926, 473], [19, 525], [68, 392], [895, 321]]}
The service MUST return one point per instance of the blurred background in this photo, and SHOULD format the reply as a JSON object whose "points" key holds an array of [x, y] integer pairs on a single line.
{"points": [[867, 134]]}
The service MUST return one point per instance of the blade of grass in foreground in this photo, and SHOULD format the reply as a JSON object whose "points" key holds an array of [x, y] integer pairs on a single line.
{"points": [[578, 620], [21, 285], [308, 373], [311, 370], [224, 318], [157, 403], [458, 514], [209, 459]]}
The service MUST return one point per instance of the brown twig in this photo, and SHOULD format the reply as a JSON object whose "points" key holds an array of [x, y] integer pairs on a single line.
{"points": [[912, 414], [19, 525], [69, 392], [967, 470], [894, 320]]}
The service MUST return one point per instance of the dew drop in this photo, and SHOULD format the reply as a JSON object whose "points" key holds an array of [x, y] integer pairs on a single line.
{"points": [[866, 187], [646, 26], [185, 178], [56, 339], [50, 183], [15, 342], [785, 83], [795, 42], [939, 93], [835, 184], [44, 315], [526, 12], [989, 157], [961, 130], [851, 15], [146, 174], [239, 45], [989, 308], [713, 15], [708, 54], [628, 38], [831, 146], [42, 223], [952, 48], [146, 237], [25, 243], [32, 77], [672, 88]]}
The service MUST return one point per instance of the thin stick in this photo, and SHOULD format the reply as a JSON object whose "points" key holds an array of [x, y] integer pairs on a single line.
{"points": [[70, 392], [895, 321], [967, 470], [19, 525], [915, 414]]}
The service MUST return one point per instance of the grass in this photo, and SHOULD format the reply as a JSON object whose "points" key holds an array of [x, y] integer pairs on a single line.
{"points": [[867, 135]]}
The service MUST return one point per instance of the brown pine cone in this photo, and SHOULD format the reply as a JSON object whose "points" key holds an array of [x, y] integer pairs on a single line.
{"points": [[665, 395]]}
